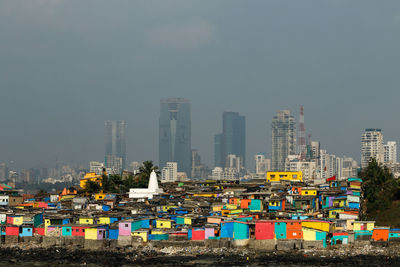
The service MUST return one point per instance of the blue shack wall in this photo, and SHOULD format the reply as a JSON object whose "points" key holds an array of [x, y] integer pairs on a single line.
{"points": [[136, 225], [280, 230], [26, 231], [66, 231], [227, 230], [145, 223], [113, 234], [240, 231]]}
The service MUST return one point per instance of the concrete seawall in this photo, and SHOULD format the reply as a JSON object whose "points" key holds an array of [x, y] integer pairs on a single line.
{"points": [[136, 242]]}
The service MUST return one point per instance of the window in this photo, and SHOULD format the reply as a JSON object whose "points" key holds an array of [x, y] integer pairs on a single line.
{"points": [[67, 229], [77, 230], [29, 230], [83, 230], [126, 225]]}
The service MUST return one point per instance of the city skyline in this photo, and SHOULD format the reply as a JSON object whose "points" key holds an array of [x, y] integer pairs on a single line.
{"points": [[212, 138], [60, 79]]}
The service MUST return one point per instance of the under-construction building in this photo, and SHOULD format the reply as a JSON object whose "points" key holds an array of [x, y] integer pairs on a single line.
{"points": [[283, 139]]}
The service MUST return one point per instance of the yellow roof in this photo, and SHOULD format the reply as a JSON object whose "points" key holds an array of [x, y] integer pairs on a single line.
{"points": [[68, 197], [91, 175]]}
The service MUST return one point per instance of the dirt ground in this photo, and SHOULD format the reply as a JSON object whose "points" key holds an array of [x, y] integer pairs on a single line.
{"points": [[225, 257]]}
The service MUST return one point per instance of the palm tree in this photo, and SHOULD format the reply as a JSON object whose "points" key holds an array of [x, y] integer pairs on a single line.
{"points": [[144, 173]]}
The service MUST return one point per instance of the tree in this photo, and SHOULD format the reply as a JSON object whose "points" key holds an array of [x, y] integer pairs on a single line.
{"points": [[380, 188], [92, 187], [129, 182], [147, 168], [105, 183], [143, 176], [115, 183]]}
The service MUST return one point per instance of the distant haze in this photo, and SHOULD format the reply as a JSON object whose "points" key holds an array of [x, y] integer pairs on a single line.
{"points": [[66, 66]]}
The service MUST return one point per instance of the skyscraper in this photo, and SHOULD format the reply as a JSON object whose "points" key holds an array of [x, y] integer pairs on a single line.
{"points": [[175, 133], [170, 172], [3, 172], [262, 164], [115, 145], [371, 146], [390, 152], [219, 161], [283, 139], [232, 141]]}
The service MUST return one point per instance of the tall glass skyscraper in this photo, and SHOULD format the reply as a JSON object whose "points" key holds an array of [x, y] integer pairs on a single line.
{"points": [[283, 139], [219, 161], [115, 145], [232, 140], [175, 133]]}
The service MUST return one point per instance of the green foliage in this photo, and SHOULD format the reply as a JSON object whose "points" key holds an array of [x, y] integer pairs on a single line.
{"points": [[144, 173], [92, 187], [379, 187], [115, 183]]}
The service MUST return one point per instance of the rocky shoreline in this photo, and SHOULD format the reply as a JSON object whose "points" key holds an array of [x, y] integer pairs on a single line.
{"points": [[198, 256]]}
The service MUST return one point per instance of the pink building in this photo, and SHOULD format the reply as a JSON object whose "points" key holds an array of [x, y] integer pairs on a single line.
{"points": [[125, 228]]}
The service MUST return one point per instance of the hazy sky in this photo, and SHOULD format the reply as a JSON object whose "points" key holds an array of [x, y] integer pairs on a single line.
{"points": [[66, 66]]}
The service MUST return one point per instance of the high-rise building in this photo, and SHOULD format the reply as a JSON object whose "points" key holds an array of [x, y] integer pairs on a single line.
{"points": [[44, 173], [26, 176], [341, 167], [390, 152], [371, 146], [134, 167], [234, 162], [170, 172], [96, 167], [219, 161], [175, 133], [283, 139], [327, 165], [315, 148], [3, 172], [232, 141], [350, 167], [115, 145], [114, 164], [262, 164]]}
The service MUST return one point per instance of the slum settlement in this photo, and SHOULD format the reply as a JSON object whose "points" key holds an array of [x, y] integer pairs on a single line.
{"points": [[279, 212]]}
